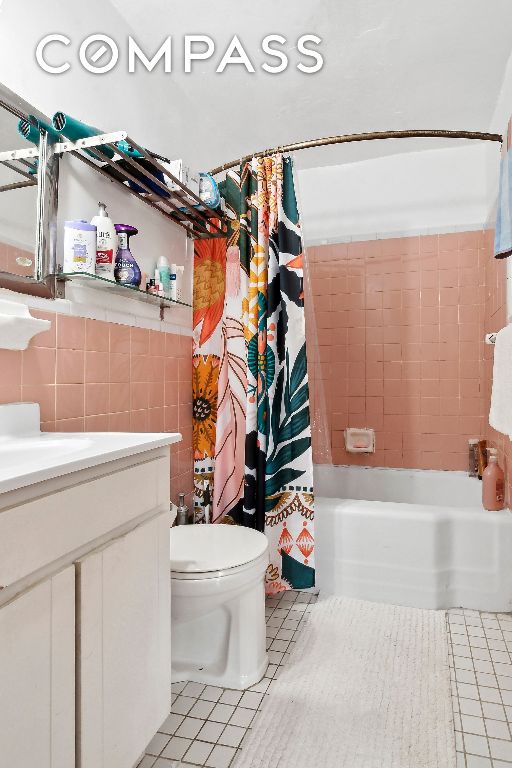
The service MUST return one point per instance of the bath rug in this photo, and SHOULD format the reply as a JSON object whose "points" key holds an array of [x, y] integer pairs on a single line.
{"points": [[367, 686]]}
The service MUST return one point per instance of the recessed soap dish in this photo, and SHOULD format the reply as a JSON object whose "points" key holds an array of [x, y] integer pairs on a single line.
{"points": [[359, 440]]}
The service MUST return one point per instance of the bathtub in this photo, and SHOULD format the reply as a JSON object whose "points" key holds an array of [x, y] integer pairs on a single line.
{"points": [[411, 537]]}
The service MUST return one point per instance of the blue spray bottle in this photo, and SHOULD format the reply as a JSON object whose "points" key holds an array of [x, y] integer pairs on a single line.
{"points": [[127, 271]]}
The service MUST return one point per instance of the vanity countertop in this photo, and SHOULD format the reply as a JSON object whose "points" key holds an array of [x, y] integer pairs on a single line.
{"points": [[28, 456]]}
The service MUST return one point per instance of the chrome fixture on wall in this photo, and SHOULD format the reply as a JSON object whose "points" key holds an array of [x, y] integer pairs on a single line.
{"points": [[42, 282]]}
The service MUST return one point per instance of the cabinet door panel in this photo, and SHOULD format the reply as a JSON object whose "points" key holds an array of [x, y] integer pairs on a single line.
{"points": [[37, 676], [63, 669], [52, 526], [125, 645]]}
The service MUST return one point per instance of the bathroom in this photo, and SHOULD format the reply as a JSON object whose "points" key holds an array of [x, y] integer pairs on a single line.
{"points": [[255, 423]]}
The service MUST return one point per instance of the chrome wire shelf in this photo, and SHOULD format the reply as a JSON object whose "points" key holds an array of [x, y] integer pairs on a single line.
{"points": [[178, 203], [30, 179], [181, 205]]}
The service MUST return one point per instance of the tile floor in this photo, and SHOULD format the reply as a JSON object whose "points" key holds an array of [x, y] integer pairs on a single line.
{"points": [[480, 651], [208, 724]]}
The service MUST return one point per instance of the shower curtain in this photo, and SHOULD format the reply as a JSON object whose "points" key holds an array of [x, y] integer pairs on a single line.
{"points": [[252, 435]]}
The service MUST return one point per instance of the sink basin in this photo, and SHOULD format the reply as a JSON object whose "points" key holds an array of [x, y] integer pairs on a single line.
{"points": [[28, 455], [55, 442], [18, 453]]}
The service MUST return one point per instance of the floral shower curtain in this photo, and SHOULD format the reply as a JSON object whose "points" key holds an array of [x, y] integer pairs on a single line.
{"points": [[252, 436], [219, 377]]}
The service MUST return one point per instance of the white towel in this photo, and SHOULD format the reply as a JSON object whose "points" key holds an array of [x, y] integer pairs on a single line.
{"points": [[500, 416]]}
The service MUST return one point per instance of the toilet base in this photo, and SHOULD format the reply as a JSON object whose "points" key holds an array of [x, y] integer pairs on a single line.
{"points": [[218, 631], [182, 672]]}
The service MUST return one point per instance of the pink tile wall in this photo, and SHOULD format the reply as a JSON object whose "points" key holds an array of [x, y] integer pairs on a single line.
{"points": [[395, 342], [495, 319], [97, 376], [8, 263]]}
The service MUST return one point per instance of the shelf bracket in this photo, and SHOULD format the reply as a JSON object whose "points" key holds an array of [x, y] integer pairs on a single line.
{"points": [[61, 147]]}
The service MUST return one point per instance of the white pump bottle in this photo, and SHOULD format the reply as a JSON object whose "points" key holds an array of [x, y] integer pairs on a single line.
{"points": [[106, 243]]}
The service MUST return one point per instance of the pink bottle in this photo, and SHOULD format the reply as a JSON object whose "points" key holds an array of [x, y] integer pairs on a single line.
{"points": [[493, 484]]}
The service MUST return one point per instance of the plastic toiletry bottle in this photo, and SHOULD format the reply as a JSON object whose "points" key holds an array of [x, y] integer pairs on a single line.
{"points": [[127, 271], [493, 484], [207, 502], [473, 457], [172, 282], [106, 243], [182, 511], [180, 270], [164, 271], [79, 247], [158, 282], [208, 190], [481, 450]]}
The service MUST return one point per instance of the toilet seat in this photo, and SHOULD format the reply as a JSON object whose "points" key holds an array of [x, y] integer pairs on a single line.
{"points": [[221, 574], [210, 551]]}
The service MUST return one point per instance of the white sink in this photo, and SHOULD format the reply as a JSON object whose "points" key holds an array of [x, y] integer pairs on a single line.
{"points": [[30, 447], [29, 456]]}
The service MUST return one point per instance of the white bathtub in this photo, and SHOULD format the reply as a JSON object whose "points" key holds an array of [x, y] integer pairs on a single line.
{"points": [[411, 537]]}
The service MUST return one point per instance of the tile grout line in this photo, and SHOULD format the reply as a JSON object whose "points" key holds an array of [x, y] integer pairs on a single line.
{"points": [[279, 611], [287, 608], [453, 685], [482, 617]]}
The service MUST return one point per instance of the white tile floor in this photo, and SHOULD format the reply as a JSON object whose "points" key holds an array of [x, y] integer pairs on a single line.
{"points": [[207, 724], [481, 671]]}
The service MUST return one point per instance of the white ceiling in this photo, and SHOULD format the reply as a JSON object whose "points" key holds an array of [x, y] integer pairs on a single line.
{"points": [[389, 64]]}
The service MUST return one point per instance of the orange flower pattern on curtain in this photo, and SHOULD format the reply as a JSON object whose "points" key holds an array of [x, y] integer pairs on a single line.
{"points": [[252, 435], [219, 376]]}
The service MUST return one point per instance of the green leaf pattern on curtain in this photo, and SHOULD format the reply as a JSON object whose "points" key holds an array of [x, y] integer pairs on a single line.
{"points": [[279, 471], [251, 396]]}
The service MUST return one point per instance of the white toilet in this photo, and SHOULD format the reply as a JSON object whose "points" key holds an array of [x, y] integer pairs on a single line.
{"points": [[218, 605]]}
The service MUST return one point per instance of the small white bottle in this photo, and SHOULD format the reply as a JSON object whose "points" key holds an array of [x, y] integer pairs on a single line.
{"points": [[173, 283], [165, 274], [106, 243], [158, 282], [180, 270]]}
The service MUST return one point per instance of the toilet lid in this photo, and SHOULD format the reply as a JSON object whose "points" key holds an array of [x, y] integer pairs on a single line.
{"points": [[204, 548]]}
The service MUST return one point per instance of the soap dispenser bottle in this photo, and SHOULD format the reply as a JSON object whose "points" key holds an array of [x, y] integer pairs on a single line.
{"points": [[493, 484], [127, 271], [106, 243]]}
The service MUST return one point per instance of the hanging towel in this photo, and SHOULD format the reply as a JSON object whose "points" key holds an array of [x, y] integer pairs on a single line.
{"points": [[503, 231], [500, 416]]}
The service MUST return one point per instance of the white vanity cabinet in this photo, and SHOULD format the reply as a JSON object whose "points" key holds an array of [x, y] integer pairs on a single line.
{"points": [[37, 675], [124, 644], [85, 650]]}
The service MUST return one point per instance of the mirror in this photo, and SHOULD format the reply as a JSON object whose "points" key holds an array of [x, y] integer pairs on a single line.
{"points": [[18, 201]]}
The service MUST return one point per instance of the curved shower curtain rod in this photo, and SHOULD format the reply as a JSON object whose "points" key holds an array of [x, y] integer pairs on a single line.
{"points": [[372, 136]]}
